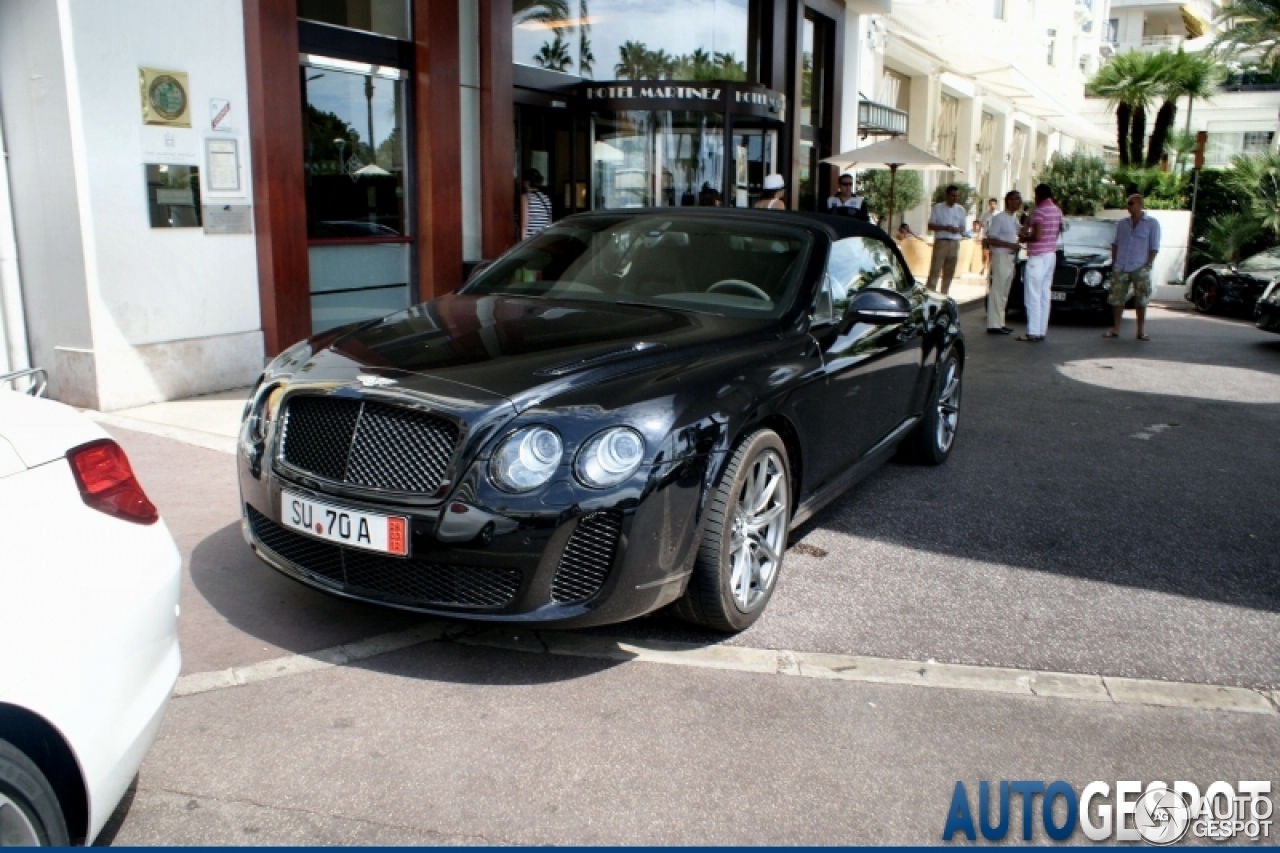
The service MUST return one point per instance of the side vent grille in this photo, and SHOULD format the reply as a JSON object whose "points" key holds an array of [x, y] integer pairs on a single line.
{"points": [[587, 558]]}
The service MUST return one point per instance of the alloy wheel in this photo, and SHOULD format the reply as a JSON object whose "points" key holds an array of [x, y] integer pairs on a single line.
{"points": [[759, 532], [948, 406]]}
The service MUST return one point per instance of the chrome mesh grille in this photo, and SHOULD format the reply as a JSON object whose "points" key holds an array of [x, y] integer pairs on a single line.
{"points": [[366, 443], [587, 558], [368, 575], [1064, 277]]}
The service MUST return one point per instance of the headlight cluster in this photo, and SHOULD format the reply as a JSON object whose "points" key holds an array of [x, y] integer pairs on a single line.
{"points": [[1093, 278], [609, 457], [526, 459], [529, 457], [263, 410]]}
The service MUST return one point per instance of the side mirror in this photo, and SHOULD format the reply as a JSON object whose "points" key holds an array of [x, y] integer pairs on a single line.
{"points": [[877, 306]]}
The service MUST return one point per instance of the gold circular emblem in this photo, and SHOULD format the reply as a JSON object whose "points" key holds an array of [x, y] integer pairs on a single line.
{"points": [[167, 97]]}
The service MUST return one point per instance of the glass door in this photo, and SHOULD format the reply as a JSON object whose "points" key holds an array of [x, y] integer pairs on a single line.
{"points": [[754, 148], [359, 234]]}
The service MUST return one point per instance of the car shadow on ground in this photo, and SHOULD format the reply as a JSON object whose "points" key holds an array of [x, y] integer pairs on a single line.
{"points": [[263, 603]]}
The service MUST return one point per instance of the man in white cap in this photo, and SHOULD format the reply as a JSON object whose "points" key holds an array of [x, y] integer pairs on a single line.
{"points": [[771, 198]]}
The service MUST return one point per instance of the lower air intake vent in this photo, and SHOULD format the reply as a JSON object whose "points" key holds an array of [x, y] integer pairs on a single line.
{"points": [[363, 574], [587, 558]]}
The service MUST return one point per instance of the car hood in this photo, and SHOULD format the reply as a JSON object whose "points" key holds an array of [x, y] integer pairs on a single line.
{"points": [[472, 349]]}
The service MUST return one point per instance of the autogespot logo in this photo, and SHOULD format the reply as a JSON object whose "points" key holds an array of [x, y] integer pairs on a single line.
{"points": [[1156, 813]]}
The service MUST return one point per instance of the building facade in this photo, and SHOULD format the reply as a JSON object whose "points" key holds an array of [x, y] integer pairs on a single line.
{"points": [[995, 87], [1241, 118], [193, 187]]}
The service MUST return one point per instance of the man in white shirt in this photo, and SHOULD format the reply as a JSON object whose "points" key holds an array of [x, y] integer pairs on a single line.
{"points": [[946, 221], [1002, 240]]}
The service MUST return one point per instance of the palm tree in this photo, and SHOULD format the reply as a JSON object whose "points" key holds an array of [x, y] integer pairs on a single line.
{"points": [[586, 59], [554, 55], [1254, 25], [554, 13], [632, 62], [1128, 84], [1195, 75], [1257, 178]]}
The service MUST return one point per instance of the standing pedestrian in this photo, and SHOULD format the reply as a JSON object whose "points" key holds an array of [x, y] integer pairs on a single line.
{"points": [[1002, 243], [1133, 251], [1041, 236], [535, 206], [771, 198], [946, 221], [846, 202]]}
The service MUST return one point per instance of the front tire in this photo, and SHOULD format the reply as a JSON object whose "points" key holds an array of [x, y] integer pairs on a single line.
{"points": [[30, 814], [745, 538], [1204, 293], [930, 443]]}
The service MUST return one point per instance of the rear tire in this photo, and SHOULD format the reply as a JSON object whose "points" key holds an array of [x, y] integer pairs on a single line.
{"points": [[744, 539], [30, 814], [930, 443]]}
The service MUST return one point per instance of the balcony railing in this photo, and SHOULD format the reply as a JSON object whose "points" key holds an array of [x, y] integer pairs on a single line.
{"points": [[879, 119]]}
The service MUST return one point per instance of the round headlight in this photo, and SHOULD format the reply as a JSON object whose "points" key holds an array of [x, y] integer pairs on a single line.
{"points": [[610, 457], [526, 459], [1093, 278]]}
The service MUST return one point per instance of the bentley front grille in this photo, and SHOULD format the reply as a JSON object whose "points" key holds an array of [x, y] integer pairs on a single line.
{"points": [[587, 558], [399, 581], [1064, 277], [367, 443]]}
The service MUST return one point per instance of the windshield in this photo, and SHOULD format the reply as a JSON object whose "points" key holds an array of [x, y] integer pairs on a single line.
{"points": [[1087, 235], [1268, 260], [716, 266]]}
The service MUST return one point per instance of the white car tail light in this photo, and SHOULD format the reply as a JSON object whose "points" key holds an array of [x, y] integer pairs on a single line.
{"points": [[107, 483]]}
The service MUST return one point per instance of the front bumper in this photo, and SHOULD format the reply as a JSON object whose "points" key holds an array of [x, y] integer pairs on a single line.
{"points": [[1080, 299], [563, 556]]}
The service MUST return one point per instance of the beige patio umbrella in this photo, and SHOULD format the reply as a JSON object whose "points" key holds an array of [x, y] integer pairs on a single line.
{"points": [[890, 154]]}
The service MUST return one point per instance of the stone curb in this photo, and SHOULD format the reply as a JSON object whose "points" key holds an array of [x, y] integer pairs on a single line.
{"points": [[207, 440], [832, 667]]}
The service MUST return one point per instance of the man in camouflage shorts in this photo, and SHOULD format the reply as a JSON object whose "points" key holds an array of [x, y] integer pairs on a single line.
{"points": [[1133, 251]]}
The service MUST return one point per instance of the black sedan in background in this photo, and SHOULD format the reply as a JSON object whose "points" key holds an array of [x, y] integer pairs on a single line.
{"points": [[630, 410], [1082, 275], [1223, 288]]}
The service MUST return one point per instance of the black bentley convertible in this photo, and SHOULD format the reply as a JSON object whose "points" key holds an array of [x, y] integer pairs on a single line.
{"points": [[626, 411]]}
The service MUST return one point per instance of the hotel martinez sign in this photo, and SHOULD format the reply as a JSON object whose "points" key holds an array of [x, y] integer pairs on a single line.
{"points": [[736, 98]]}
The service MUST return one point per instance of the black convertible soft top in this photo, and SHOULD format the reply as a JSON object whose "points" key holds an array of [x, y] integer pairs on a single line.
{"points": [[837, 227]]}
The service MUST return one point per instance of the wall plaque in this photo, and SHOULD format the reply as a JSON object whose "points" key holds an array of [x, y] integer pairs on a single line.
{"points": [[164, 97], [228, 219]]}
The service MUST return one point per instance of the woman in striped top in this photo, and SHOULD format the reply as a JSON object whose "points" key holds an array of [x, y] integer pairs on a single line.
{"points": [[535, 206]]}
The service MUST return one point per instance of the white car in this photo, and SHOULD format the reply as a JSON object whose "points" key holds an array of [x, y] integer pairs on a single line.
{"points": [[89, 580]]}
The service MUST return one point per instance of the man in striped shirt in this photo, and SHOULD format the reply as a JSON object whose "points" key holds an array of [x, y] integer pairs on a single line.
{"points": [[1041, 237]]}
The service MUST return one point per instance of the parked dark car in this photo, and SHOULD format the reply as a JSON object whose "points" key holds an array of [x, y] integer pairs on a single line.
{"points": [[629, 410], [1224, 288], [1082, 274], [1266, 314]]}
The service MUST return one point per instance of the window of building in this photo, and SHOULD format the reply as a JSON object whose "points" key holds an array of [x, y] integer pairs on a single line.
{"points": [[997, 9], [618, 39], [1257, 142], [986, 145], [817, 69], [358, 182], [384, 17], [946, 131], [1112, 33]]}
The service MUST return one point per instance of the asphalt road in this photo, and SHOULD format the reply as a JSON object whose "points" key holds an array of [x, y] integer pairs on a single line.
{"points": [[1109, 509]]}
